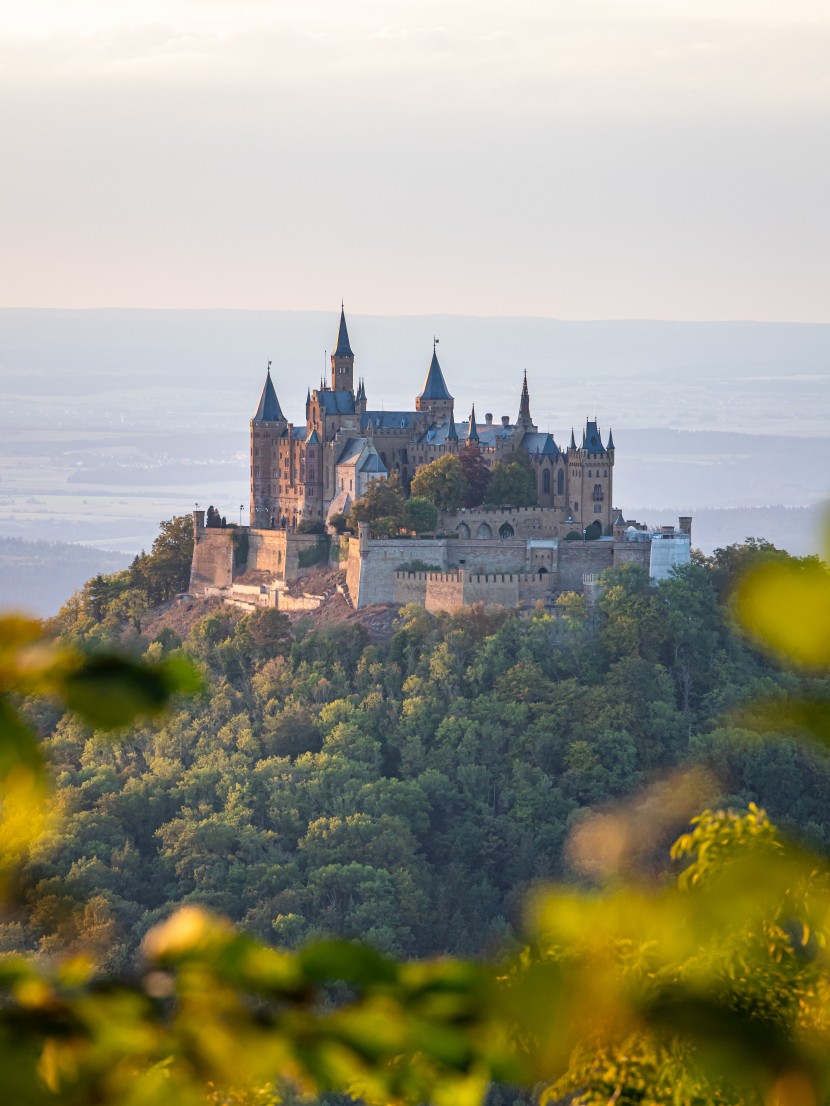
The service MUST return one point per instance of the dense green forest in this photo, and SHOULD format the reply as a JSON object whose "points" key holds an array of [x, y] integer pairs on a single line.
{"points": [[406, 792]]}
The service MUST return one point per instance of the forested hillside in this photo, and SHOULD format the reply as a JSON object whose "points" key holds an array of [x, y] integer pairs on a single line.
{"points": [[405, 792]]}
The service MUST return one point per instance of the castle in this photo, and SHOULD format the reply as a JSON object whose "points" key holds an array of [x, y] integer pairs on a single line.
{"points": [[319, 468], [506, 555]]}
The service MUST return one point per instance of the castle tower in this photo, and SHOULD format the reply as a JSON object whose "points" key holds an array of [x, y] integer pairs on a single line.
{"points": [[267, 427], [342, 360], [594, 488], [435, 398]]}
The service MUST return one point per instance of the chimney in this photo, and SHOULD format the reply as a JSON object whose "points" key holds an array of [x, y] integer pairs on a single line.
{"points": [[505, 421], [686, 525], [488, 418]]}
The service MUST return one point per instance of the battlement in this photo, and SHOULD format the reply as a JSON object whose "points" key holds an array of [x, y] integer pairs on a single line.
{"points": [[470, 577]]}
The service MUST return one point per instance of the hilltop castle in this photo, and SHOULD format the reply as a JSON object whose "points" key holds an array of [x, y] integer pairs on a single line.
{"points": [[320, 467], [508, 555]]}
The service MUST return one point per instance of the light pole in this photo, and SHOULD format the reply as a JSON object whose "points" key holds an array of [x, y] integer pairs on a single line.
{"points": [[241, 508]]}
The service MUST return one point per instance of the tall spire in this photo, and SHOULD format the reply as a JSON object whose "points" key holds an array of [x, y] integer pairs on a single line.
{"points": [[269, 408], [472, 432], [452, 433], [524, 405], [610, 445], [573, 439], [343, 349]]}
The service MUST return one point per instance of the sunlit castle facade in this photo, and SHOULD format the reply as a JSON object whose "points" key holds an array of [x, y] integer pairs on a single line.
{"points": [[318, 468]]}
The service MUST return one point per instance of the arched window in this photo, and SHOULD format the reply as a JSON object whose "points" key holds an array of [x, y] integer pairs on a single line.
{"points": [[484, 531], [546, 482], [463, 530], [560, 482], [506, 531]]}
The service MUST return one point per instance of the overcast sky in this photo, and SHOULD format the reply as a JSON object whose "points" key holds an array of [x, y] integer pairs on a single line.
{"points": [[568, 158]]}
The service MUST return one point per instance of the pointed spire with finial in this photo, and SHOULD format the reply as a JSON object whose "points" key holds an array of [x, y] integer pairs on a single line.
{"points": [[573, 439], [343, 349], [524, 419], [610, 445], [435, 386], [269, 408], [472, 431]]}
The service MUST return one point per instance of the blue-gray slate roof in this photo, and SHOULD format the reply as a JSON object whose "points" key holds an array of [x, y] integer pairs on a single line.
{"points": [[435, 386], [269, 408], [591, 440], [389, 420], [343, 347], [336, 403], [539, 443]]}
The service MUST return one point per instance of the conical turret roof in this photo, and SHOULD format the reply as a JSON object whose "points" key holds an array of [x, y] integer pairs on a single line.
{"points": [[472, 431], [435, 386], [269, 407], [343, 348]]}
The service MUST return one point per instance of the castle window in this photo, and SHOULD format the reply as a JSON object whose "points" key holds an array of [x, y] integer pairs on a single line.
{"points": [[560, 482], [576, 504], [546, 481], [597, 508]]}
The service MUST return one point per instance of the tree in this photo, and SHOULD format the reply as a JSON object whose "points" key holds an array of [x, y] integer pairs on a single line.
{"points": [[339, 523], [477, 475], [214, 519], [383, 499], [311, 526], [420, 515], [442, 482], [512, 484], [166, 569]]}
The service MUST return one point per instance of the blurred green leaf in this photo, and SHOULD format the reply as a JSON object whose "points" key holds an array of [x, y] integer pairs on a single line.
{"points": [[109, 691], [810, 716], [18, 745], [785, 606]]}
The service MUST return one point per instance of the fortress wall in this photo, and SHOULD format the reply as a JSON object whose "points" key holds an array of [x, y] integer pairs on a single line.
{"points": [[445, 592], [492, 588], [533, 587], [410, 588], [354, 571], [510, 555], [267, 551], [632, 552], [373, 563], [527, 522], [212, 564], [579, 557]]}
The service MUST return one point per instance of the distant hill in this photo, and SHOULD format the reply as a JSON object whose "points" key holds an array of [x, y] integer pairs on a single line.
{"points": [[39, 576]]}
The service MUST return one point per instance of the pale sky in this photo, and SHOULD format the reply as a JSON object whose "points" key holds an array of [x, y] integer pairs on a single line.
{"points": [[568, 158]]}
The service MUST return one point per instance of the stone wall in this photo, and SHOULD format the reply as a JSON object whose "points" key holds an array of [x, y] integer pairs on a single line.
{"points": [[273, 551], [509, 555], [632, 553], [212, 564], [526, 522], [446, 591], [372, 564], [578, 558]]}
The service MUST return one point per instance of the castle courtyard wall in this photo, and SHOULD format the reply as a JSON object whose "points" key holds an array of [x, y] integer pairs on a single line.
{"points": [[212, 564]]}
